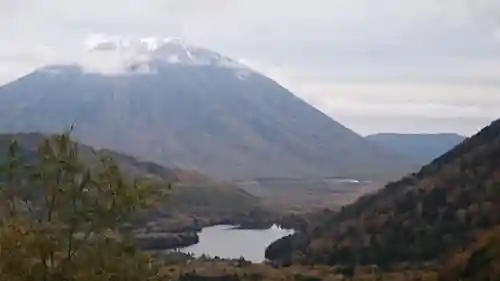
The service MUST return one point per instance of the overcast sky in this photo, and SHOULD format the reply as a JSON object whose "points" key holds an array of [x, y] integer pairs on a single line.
{"points": [[375, 66]]}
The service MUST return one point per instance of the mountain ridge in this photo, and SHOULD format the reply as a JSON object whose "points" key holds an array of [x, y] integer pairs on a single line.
{"points": [[419, 148]]}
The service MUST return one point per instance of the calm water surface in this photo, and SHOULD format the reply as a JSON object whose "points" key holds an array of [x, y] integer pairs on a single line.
{"points": [[225, 242]]}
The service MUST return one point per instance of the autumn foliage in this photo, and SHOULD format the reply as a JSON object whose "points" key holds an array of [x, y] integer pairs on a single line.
{"points": [[62, 220], [422, 218]]}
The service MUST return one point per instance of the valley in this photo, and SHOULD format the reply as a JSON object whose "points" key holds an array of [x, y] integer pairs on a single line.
{"points": [[195, 201], [326, 235], [308, 195]]}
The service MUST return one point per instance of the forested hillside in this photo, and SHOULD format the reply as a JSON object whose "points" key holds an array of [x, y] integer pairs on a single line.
{"points": [[479, 262], [193, 196], [29, 143], [423, 217]]}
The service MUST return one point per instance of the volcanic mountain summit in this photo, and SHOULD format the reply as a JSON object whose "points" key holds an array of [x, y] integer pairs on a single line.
{"points": [[180, 105]]}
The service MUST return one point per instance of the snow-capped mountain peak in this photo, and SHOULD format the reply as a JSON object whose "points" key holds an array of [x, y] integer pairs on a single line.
{"points": [[159, 50]]}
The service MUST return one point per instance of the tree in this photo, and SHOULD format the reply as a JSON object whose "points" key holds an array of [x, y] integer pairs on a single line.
{"points": [[63, 220]]}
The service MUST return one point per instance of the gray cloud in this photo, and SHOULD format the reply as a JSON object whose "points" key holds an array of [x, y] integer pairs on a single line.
{"points": [[374, 65]]}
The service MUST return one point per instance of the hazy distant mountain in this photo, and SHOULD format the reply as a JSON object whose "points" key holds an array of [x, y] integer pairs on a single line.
{"points": [[180, 105], [420, 148]]}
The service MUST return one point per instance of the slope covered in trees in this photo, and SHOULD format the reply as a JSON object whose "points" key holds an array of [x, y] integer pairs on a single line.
{"points": [[478, 262], [422, 217], [195, 199], [29, 143]]}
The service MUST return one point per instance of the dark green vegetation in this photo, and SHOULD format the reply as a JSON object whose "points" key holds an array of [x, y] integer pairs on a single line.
{"points": [[424, 217], [227, 123], [419, 148]]}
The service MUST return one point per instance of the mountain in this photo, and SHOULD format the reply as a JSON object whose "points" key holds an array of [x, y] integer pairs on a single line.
{"points": [[425, 216], [420, 148], [184, 106]]}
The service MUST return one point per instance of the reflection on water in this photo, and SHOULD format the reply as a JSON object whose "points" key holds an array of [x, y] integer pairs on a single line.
{"points": [[226, 242]]}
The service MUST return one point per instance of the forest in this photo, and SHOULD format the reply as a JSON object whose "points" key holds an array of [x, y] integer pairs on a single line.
{"points": [[428, 218]]}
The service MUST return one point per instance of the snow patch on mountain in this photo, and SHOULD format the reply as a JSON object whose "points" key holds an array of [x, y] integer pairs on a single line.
{"points": [[119, 56], [154, 51]]}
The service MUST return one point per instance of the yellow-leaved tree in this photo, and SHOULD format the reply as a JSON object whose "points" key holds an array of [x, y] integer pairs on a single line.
{"points": [[63, 220]]}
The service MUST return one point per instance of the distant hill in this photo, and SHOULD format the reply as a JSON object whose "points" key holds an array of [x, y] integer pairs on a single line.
{"points": [[425, 216], [185, 106], [131, 166], [193, 194], [420, 148]]}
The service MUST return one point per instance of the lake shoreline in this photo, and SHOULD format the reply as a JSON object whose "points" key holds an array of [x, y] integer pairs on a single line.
{"points": [[234, 242], [188, 235], [158, 241]]}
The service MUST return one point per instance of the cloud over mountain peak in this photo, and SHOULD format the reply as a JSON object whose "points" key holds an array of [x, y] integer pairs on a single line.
{"points": [[170, 50], [101, 42]]}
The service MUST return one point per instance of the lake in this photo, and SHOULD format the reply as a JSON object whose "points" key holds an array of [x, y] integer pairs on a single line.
{"points": [[225, 241]]}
